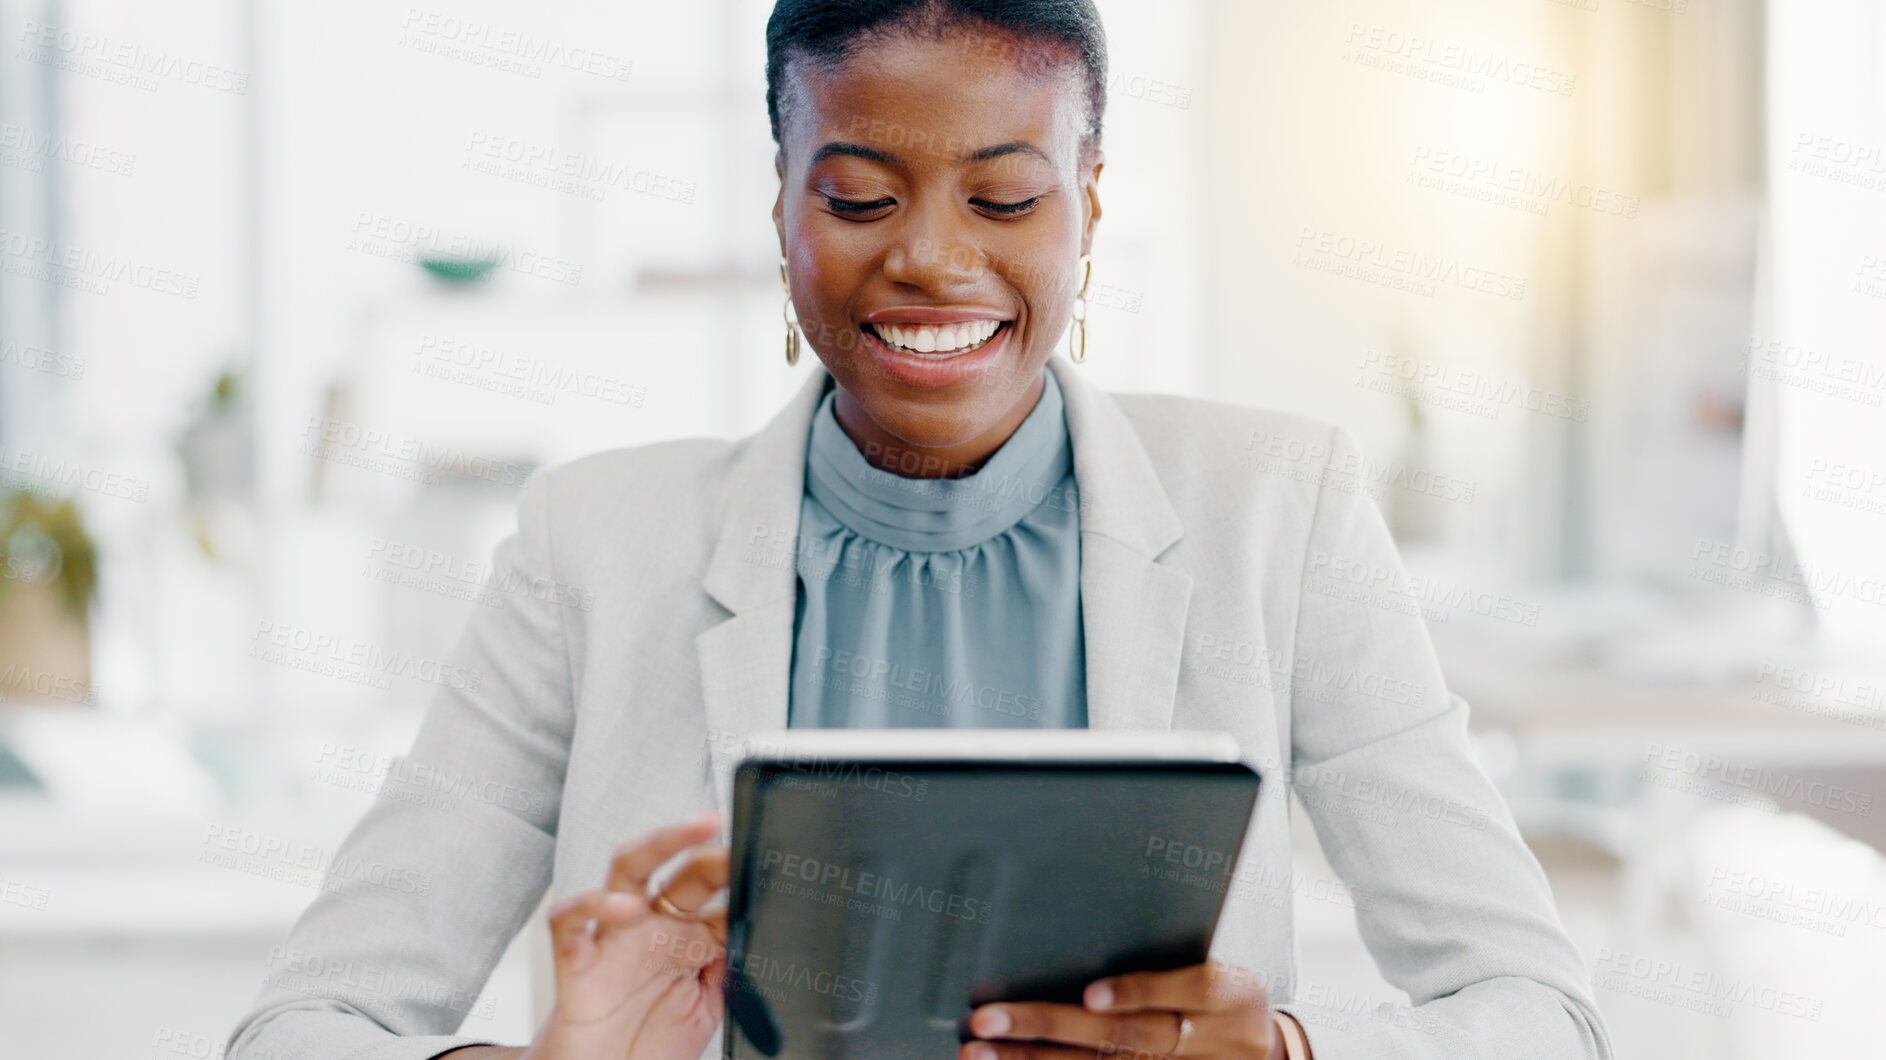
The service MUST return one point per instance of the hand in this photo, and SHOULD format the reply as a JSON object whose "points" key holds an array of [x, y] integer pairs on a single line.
{"points": [[634, 980], [1137, 1014]]}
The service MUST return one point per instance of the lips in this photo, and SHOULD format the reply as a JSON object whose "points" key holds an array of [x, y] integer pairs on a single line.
{"points": [[936, 346], [936, 340]]}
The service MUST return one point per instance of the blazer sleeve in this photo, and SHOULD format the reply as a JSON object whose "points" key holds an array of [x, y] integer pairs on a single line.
{"points": [[372, 971], [1461, 916]]}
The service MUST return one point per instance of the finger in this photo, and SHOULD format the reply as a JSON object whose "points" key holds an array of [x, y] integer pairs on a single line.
{"points": [[713, 976], [1135, 1032], [698, 881], [679, 951], [571, 935], [716, 924], [635, 861], [1210, 987]]}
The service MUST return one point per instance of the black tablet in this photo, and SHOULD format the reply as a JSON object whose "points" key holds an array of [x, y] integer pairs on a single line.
{"points": [[886, 881]]}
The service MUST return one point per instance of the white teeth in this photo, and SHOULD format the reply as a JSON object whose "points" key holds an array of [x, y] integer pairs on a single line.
{"points": [[940, 339]]}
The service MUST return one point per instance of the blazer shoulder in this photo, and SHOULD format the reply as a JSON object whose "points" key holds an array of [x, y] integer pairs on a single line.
{"points": [[677, 462], [671, 484]]}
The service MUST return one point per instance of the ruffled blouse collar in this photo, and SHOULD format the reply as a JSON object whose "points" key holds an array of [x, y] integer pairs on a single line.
{"points": [[940, 515]]}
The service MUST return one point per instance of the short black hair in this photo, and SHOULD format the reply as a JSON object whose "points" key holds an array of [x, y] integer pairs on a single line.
{"points": [[830, 31]]}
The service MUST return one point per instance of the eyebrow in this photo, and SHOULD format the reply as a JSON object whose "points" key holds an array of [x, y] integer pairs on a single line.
{"points": [[869, 154]]}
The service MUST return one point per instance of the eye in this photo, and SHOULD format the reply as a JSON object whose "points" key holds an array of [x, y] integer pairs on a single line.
{"points": [[1006, 209], [854, 208]]}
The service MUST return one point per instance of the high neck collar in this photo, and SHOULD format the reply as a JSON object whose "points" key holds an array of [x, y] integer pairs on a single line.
{"points": [[942, 515]]}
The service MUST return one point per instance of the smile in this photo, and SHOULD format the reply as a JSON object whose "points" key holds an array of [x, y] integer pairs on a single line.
{"points": [[937, 341]]}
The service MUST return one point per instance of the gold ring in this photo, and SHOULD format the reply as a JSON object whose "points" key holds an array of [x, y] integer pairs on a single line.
{"points": [[666, 905], [1185, 1031]]}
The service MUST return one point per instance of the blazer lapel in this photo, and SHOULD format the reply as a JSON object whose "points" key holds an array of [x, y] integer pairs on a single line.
{"points": [[1133, 607], [746, 660]]}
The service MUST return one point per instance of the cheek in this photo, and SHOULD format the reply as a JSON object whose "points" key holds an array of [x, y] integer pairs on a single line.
{"points": [[832, 260], [1047, 289]]}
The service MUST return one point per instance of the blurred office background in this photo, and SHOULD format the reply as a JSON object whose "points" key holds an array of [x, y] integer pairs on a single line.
{"points": [[293, 296]]}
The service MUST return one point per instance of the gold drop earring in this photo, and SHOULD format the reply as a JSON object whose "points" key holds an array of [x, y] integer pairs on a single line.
{"points": [[1077, 335], [792, 317]]}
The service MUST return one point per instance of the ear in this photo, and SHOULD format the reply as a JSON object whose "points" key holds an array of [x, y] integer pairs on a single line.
{"points": [[1090, 199], [779, 201]]}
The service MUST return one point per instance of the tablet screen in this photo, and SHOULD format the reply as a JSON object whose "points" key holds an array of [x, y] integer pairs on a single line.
{"points": [[880, 891]]}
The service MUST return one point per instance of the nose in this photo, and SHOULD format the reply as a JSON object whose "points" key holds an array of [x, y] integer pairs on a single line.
{"points": [[935, 252]]}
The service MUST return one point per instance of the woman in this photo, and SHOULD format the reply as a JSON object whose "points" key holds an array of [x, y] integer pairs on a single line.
{"points": [[945, 497]]}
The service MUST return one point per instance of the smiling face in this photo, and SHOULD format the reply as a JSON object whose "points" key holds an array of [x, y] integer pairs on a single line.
{"points": [[935, 200]]}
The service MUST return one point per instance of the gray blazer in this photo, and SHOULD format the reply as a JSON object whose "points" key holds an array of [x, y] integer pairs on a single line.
{"points": [[1235, 576]]}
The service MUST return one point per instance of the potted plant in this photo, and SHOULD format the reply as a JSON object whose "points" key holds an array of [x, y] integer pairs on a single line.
{"points": [[48, 579]]}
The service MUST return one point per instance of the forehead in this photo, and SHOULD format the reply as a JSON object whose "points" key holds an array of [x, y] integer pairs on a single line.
{"points": [[925, 91]]}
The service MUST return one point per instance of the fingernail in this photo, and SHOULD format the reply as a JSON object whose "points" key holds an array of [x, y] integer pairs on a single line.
{"points": [[979, 1051], [994, 1021], [1099, 995]]}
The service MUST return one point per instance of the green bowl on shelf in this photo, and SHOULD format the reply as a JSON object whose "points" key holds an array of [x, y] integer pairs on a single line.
{"points": [[459, 271]]}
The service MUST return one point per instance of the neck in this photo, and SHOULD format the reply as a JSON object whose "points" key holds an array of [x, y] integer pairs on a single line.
{"points": [[887, 452]]}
